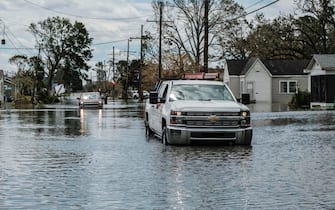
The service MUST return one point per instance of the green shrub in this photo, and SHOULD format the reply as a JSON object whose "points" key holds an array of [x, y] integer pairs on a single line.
{"points": [[301, 99]]}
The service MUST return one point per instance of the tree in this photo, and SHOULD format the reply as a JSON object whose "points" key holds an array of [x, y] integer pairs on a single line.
{"points": [[274, 39], [23, 78], [63, 44], [294, 37], [317, 27], [29, 78], [37, 70], [184, 29], [21, 61], [122, 68]]}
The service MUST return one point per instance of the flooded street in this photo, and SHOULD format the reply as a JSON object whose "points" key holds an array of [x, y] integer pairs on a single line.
{"points": [[60, 157]]}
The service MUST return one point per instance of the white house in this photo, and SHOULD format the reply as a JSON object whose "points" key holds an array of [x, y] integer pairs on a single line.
{"points": [[270, 81], [321, 70]]}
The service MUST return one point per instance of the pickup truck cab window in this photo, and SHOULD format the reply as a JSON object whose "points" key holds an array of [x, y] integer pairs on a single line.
{"points": [[201, 92], [163, 92]]}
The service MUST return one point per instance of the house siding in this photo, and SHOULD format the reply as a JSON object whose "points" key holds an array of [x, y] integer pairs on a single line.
{"points": [[285, 98], [259, 78], [234, 85]]}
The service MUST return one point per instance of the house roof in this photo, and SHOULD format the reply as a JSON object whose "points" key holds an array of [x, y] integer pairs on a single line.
{"points": [[275, 67], [248, 65], [286, 67], [235, 67], [326, 61]]}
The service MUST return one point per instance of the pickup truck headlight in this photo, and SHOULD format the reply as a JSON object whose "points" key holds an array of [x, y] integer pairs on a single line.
{"points": [[176, 117], [176, 113], [245, 121], [245, 113]]}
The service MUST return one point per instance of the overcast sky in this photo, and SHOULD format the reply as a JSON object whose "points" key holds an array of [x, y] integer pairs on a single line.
{"points": [[109, 22]]}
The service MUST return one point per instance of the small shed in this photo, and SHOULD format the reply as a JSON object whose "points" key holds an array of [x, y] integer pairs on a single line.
{"points": [[321, 71]]}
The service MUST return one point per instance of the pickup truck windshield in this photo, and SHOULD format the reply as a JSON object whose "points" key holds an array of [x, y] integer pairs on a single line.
{"points": [[200, 92]]}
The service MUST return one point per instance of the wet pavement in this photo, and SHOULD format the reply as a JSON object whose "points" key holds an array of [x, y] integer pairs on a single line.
{"points": [[60, 157]]}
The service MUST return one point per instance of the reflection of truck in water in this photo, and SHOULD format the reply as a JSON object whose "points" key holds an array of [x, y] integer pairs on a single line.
{"points": [[189, 111]]}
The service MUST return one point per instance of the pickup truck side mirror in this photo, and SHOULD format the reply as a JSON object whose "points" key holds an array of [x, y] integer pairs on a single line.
{"points": [[162, 100], [153, 97]]}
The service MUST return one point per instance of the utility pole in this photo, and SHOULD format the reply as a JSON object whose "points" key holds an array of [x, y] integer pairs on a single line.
{"points": [[127, 74], [113, 78], [2, 94], [113, 62], [141, 67], [160, 40], [206, 37]]}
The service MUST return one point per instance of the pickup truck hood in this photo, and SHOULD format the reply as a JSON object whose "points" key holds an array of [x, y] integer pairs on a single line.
{"points": [[213, 105]]}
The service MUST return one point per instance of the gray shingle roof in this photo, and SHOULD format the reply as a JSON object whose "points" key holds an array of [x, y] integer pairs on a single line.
{"points": [[235, 67], [276, 67], [286, 67], [326, 61]]}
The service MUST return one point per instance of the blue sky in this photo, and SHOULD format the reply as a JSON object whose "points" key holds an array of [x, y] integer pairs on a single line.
{"points": [[109, 22]]}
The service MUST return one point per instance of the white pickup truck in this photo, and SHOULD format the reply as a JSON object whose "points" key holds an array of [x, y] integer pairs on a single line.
{"points": [[190, 111]]}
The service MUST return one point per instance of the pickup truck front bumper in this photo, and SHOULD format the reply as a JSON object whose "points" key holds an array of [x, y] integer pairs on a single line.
{"points": [[181, 135]]}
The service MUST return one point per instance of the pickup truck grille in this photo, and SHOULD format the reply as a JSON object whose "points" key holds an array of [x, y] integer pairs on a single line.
{"points": [[212, 113], [208, 119], [209, 123]]}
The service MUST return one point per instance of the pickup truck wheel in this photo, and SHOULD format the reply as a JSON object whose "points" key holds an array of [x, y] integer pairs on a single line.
{"points": [[164, 136], [148, 131]]}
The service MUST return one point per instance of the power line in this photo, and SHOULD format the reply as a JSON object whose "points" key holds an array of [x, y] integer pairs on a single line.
{"points": [[17, 40], [254, 4], [110, 42], [83, 17], [256, 10], [18, 48], [9, 37], [253, 11]]}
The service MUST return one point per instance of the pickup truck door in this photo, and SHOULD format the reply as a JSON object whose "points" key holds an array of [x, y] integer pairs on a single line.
{"points": [[156, 117]]}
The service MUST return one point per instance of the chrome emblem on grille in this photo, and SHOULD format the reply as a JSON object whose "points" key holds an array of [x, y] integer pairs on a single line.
{"points": [[213, 118]]}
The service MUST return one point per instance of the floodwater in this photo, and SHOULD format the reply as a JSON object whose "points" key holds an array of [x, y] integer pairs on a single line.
{"points": [[60, 157]]}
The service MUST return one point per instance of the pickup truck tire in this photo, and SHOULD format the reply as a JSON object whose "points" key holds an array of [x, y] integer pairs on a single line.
{"points": [[164, 136], [148, 131]]}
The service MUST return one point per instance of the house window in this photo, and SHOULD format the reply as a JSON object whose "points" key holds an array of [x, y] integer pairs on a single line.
{"points": [[288, 86]]}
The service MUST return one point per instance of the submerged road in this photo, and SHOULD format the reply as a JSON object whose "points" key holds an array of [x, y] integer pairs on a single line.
{"points": [[60, 157]]}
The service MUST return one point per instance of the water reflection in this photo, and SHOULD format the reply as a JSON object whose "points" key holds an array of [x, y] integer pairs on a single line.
{"points": [[269, 107]]}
